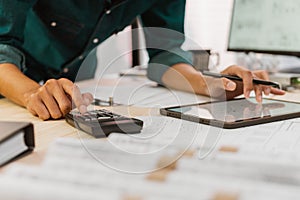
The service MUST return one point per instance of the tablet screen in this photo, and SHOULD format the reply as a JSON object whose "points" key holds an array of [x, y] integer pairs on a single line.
{"points": [[239, 110]]}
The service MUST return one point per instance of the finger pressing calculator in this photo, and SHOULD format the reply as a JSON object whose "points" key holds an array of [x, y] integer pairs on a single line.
{"points": [[100, 123]]}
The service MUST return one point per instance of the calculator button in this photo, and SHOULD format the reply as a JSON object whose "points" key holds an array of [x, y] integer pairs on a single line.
{"points": [[93, 112], [104, 117]]}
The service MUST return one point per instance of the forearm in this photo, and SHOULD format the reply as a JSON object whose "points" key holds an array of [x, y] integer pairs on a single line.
{"points": [[14, 84], [184, 77]]}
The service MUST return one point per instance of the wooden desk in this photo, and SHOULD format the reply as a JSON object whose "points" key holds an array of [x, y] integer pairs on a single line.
{"points": [[47, 131]]}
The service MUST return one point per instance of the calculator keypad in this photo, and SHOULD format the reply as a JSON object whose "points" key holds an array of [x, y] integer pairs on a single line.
{"points": [[102, 122]]}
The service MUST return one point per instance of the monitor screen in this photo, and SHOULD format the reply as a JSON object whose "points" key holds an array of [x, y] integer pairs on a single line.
{"points": [[266, 26]]}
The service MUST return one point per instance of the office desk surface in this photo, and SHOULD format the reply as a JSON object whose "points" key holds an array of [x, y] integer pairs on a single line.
{"points": [[47, 131]]}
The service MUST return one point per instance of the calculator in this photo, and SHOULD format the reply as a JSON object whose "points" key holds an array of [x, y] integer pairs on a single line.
{"points": [[100, 123]]}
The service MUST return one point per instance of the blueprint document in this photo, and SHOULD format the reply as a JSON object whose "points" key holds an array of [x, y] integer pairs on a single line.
{"points": [[170, 159]]}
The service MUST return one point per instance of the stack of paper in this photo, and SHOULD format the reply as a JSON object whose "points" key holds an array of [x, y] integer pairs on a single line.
{"points": [[170, 159]]}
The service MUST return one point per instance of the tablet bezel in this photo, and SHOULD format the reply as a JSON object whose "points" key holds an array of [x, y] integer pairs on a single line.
{"points": [[228, 125]]}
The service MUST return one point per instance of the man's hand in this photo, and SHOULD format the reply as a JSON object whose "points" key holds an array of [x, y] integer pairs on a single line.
{"points": [[184, 77], [237, 88], [55, 99], [52, 100]]}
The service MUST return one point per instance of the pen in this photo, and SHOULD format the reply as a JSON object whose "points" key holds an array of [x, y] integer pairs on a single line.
{"points": [[100, 102], [236, 78]]}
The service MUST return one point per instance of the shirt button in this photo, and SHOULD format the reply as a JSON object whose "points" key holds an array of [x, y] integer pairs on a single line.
{"points": [[95, 40], [53, 24], [65, 70], [80, 57], [107, 12]]}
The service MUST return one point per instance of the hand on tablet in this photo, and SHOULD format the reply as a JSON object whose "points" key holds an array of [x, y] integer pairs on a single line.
{"points": [[184, 77], [235, 88]]}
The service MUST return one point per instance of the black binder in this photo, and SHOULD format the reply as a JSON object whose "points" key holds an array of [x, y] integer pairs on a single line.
{"points": [[16, 140]]}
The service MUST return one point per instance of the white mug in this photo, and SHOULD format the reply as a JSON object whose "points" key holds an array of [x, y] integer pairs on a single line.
{"points": [[203, 57]]}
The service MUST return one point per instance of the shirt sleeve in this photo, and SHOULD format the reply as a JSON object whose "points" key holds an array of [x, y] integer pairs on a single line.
{"points": [[164, 34], [12, 22], [10, 54]]}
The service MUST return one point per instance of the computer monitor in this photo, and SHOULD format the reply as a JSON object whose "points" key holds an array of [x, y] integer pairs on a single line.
{"points": [[266, 26]]}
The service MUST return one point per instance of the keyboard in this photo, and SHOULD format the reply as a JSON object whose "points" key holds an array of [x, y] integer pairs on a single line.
{"points": [[100, 123]]}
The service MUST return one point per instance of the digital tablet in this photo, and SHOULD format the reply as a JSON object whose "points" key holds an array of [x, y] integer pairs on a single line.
{"points": [[235, 113]]}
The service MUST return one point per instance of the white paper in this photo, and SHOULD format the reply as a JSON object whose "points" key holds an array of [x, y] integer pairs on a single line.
{"points": [[265, 165]]}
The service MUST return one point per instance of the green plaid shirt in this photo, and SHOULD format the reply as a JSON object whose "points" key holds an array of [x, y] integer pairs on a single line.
{"points": [[46, 37]]}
